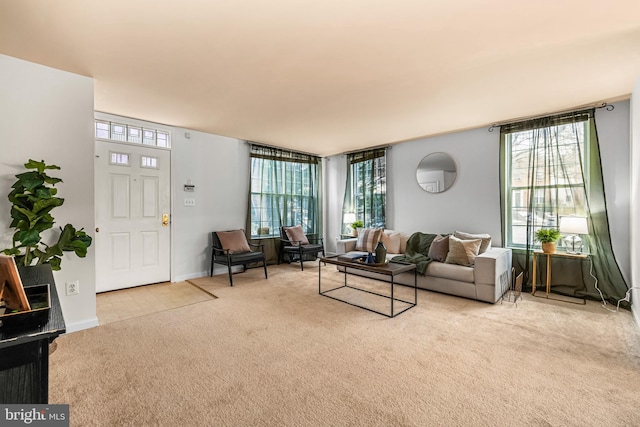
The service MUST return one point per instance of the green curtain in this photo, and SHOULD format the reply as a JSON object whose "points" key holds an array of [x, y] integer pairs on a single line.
{"points": [[549, 179], [365, 191], [285, 189]]}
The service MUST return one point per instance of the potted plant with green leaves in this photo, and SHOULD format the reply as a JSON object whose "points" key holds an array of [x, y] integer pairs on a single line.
{"points": [[355, 225], [548, 238], [33, 197]]}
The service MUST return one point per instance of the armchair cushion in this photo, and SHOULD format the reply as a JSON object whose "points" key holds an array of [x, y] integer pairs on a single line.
{"points": [[235, 241], [296, 235]]}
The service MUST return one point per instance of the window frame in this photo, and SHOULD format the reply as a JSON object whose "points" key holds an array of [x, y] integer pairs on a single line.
{"points": [[523, 190], [300, 204], [362, 166]]}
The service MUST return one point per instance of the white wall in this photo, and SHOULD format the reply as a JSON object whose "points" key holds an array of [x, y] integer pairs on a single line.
{"points": [[614, 137], [635, 198], [335, 176], [472, 204], [219, 169], [47, 114]]}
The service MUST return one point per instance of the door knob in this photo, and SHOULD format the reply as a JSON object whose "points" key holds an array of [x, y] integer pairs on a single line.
{"points": [[165, 220]]}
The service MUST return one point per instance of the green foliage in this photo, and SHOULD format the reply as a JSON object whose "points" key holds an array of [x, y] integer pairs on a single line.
{"points": [[33, 197], [547, 235], [357, 224]]}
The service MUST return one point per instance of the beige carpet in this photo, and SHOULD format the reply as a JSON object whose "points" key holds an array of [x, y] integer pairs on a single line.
{"points": [[125, 304], [275, 353]]}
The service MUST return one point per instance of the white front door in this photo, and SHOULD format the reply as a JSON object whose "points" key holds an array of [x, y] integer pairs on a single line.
{"points": [[133, 197]]}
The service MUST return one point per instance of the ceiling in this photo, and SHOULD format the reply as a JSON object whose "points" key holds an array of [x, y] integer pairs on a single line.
{"points": [[331, 76]]}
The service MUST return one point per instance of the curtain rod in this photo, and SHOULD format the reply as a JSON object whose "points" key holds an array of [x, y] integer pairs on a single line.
{"points": [[609, 107], [387, 146], [280, 148]]}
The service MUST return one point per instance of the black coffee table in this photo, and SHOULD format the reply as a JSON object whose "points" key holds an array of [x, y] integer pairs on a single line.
{"points": [[390, 269]]}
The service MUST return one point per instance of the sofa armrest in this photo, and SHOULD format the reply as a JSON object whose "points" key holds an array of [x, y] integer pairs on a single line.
{"points": [[344, 246], [492, 274]]}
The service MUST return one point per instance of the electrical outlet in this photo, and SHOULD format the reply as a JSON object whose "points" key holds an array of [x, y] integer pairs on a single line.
{"points": [[73, 288], [189, 202]]}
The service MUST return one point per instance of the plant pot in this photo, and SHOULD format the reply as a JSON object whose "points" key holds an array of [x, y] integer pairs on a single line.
{"points": [[549, 247], [354, 231]]}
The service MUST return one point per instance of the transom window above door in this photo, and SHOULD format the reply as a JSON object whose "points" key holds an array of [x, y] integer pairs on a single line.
{"points": [[114, 131]]}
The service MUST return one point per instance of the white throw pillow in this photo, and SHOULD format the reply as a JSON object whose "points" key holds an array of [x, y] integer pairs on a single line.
{"points": [[463, 252], [391, 241], [486, 239]]}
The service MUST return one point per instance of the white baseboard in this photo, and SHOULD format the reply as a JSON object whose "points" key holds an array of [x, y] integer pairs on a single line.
{"points": [[184, 277], [636, 314], [75, 327]]}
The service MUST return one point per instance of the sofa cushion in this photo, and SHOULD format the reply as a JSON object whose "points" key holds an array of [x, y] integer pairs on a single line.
{"points": [[368, 239], [439, 248], [403, 242], [391, 240], [296, 235], [463, 252], [486, 239], [451, 271], [235, 241]]}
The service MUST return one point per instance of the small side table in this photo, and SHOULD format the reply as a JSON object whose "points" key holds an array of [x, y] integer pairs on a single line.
{"points": [[548, 279]]}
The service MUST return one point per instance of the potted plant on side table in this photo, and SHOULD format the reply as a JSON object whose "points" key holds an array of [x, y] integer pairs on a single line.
{"points": [[548, 238], [355, 225]]}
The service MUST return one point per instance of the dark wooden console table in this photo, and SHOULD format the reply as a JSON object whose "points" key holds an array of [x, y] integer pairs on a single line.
{"points": [[24, 354]]}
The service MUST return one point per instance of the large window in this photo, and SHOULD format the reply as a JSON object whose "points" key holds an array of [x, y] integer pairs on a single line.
{"points": [[545, 176], [365, 194], [552, 169], [284, 191]]}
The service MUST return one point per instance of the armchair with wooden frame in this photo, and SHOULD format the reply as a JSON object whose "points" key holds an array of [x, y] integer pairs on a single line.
{"points": [[294, 245], [231, 248]]}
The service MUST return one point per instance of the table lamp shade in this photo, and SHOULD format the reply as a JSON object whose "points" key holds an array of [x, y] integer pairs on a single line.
{"points": [[573, 225], [349, 218]]}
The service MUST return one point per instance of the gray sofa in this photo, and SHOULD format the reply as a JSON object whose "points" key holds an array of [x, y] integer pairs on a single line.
{"points": [[487, 280]]}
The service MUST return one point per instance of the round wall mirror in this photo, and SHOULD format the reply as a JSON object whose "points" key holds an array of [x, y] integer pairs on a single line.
{"points": [[436, 172]]}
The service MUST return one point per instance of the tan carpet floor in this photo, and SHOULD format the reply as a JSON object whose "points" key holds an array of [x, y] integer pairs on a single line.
{"points": [[125, 304], [275, 353]]}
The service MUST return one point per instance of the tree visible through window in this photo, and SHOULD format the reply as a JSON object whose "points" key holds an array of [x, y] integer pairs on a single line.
{"points": [[551, 169], [284, 191], [365, 193], [545, 169]]}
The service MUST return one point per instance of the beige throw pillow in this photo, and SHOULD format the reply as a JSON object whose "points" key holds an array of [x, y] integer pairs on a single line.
{"points": [[463, 252], [391, 242], [368, 239], [486, 239], [439, 248], [235, 241], [296, 235]]}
